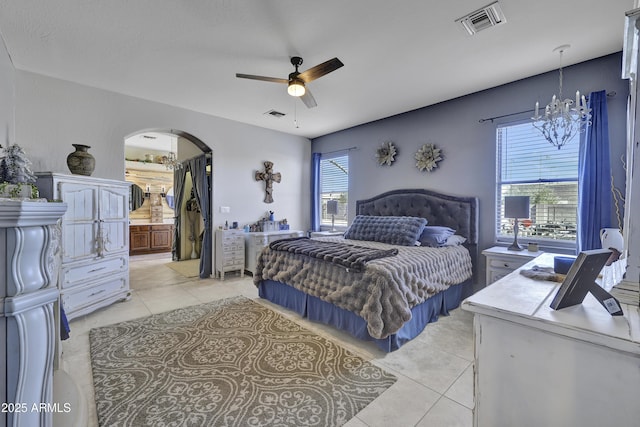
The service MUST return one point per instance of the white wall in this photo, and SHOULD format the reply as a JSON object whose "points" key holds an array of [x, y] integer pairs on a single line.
{"points": [[52, 114]]}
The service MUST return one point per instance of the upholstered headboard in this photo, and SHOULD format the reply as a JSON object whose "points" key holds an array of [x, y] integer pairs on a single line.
{"points": [[459, 213]]}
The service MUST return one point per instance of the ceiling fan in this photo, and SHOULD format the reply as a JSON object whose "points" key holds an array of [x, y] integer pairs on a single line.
{"points": [[297, 81]]}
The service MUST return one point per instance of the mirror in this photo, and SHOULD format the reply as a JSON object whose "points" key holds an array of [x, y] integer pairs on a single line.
{"points": [[136, 198], [169, 197]]}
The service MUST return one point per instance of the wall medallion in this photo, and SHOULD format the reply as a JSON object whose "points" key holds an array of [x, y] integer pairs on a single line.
{"points": [[427, 157]]}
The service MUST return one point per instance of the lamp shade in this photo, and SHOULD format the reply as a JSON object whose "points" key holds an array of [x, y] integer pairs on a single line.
{"points": [[516, 207], [296, 87], [332, 207]]}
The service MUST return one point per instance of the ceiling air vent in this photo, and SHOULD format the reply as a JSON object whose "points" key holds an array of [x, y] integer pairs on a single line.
{"points": [[486, 17], [275, 113]]}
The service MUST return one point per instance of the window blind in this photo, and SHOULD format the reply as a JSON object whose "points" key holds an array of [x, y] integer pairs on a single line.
{"points": [[527, 165], [334, 185]]}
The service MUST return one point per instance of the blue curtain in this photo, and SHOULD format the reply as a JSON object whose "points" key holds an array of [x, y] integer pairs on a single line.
{"points": [[594, 176], [315, 191]]}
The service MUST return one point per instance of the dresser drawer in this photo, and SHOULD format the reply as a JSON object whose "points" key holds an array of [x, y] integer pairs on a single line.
{"points": [[507, 263], [234, 257], [233, 247], [231, 238], [71, 276], [77, 299], [232, 264]]}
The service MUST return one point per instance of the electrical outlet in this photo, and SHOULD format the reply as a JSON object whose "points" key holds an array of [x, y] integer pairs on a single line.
{"points": [[225, 209]]}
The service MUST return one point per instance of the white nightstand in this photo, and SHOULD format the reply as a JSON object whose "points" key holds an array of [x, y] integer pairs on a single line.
{"points": [[501, 261], [229, 252], [256, 242]]}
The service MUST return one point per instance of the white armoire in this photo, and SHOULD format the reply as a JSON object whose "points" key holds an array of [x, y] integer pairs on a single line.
{"points": [[95, 240]]}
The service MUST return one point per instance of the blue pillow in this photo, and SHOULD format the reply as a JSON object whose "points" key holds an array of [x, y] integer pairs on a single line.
{"points": [[395, 230], [435, 235]]}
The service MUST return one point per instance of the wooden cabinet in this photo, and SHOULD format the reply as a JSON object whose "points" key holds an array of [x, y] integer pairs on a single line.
{"points": [[150, 238], [95, 240], [139, 239], [501, 261], [256, 241], [229, 252]]}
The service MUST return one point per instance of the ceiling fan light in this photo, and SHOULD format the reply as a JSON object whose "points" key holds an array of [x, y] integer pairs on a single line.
{"points": [[296, 87]]}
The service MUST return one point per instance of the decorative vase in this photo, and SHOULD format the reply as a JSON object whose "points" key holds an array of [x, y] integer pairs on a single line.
{"points": [[81, 162], [612, 238]]}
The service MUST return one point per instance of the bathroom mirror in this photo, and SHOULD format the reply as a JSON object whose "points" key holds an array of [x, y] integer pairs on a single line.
{"points": [[169, 197], [136, 198]]}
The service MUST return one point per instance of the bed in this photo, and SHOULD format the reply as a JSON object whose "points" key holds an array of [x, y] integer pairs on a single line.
{"points": [[384, 299]]}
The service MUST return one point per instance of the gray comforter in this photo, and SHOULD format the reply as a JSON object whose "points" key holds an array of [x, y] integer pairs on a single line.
{"points": [[384, 292], [351, 257]]}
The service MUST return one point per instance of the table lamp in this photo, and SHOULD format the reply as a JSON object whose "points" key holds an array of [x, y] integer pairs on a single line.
{"points": [[332, 209], [516, 207]]}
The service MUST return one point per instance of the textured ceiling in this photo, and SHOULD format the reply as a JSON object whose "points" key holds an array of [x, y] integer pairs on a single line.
{"points": [[398, 55]]}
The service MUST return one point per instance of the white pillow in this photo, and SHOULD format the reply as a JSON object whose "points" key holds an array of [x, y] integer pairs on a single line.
{"points": [[455, 240]]}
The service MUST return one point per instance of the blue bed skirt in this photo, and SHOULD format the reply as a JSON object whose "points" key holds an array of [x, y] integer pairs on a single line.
{"points": [[317, 310]]}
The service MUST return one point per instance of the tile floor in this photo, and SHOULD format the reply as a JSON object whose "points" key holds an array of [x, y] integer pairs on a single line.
{"points": [[434, 371]]}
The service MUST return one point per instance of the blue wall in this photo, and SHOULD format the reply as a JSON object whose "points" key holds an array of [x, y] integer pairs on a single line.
{"points": [[469, 147]]}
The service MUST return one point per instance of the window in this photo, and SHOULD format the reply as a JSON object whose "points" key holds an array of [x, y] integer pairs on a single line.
{"points": [[334, 185], [527, 165]]}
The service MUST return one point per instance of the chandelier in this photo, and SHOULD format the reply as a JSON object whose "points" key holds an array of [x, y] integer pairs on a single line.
{"points": [[170, 161], [562, 119]]}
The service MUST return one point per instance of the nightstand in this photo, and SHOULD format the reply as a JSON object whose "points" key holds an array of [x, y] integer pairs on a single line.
{"points": [[229, 252], [255, 242], [501, 261]]}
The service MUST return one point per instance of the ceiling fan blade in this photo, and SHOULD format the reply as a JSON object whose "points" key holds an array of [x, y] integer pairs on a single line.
{"points": [[263, 78], [308, 99], [320, 70]]}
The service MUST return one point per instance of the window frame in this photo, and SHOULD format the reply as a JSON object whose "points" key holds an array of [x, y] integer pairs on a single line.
{"points": [[547, 243], [325, 224]]}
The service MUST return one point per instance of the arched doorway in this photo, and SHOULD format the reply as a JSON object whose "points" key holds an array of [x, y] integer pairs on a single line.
{"points": [[170, 170]]}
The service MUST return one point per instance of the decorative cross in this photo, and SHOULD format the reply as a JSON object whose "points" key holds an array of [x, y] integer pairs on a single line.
{"points": [[269, 178]]}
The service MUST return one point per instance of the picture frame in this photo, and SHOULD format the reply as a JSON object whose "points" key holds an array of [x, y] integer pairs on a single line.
{"points": [[581, 279]]}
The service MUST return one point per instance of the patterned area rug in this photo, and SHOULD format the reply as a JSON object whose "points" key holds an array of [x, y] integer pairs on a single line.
{"points": [[232, 362]]}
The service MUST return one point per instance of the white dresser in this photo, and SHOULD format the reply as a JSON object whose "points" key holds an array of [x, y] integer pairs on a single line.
{"points": [[95, 240], [256, 241], [229, 252], [29, 261], [535, 366]]}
